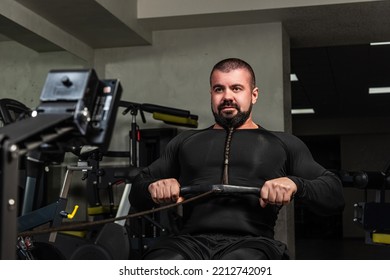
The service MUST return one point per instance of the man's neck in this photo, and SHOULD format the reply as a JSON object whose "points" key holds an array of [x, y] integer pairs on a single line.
{"points": [[247, 125]]}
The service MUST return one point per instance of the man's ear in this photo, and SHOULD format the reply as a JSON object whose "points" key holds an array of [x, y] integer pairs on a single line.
{"points": [[255, 95]]}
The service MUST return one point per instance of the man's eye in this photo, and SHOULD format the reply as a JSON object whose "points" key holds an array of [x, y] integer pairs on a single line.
{"points": [[218, 89], [237, 89]]}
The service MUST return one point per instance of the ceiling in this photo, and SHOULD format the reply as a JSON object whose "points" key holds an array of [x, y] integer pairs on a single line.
{"points": [[334, 81], [330, 49]]}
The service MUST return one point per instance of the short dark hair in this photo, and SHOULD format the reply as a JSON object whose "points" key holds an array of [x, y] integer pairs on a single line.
{"points": [[229, 64]]}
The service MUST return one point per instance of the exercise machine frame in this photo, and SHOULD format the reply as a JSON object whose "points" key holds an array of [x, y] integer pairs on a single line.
{"points": [[75, 105]]}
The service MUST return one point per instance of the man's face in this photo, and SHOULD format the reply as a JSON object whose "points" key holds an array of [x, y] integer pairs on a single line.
{"points": [[232, 97]]}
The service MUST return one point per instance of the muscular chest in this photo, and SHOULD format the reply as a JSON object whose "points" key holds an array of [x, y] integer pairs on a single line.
{"points": [[251, 155]]}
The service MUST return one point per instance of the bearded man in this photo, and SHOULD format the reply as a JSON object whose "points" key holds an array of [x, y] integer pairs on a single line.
{"points": [[233, 151]]}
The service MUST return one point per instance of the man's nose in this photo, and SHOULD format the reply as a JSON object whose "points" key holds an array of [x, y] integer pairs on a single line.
{"points": [[228, 95]]}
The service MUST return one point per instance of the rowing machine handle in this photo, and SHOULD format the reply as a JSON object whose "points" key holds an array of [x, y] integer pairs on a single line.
{"points": [[218, 189]]}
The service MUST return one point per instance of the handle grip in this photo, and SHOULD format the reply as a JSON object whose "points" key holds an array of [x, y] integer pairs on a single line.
{"points": [[219, 189]]}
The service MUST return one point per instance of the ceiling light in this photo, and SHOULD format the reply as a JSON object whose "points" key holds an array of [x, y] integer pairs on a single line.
{"points": [[293, 78], [302, 111], [379, 43], [379, 90]]}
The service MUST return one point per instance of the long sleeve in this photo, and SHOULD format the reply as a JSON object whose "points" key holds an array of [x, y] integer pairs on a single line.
{"points": [[256, 155], [318, 188], [139, 196], [166, 166]]}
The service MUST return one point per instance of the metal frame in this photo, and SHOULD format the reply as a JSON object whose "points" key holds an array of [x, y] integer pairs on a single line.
{"points": [[14, 143]]}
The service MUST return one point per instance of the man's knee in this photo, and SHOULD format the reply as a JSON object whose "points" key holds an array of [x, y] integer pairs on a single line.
{"points": [[245, 254]]}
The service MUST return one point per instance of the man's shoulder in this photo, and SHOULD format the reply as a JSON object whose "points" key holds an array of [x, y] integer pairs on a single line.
{"points": [[182, 135], [285, 137]]}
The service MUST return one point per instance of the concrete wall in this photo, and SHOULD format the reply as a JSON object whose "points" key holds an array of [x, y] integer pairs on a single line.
{"points": [[23, 71]]}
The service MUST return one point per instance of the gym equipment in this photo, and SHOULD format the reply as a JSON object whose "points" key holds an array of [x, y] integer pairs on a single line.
{"points": [[168, 115], [146, 228], [107, 242], [76, 107], [112, 241], [12, 110], [372, 216], [188, 191]]}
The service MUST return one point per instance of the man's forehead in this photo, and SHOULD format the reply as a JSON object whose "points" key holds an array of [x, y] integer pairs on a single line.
{"points": [[238, 76]]}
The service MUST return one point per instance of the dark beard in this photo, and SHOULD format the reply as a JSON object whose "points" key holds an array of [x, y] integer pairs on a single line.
{"points": [[238, 120]]}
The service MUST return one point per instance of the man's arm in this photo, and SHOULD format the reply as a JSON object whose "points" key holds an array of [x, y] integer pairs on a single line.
{"points": [[318, 188], [158, 183], [139, 196]]}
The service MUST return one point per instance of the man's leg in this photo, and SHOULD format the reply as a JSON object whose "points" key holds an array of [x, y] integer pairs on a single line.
{"points": [[183, 247], [245, 254], [252, 248], [163, 254]]}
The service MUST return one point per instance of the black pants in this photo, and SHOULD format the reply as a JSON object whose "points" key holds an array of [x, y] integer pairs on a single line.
{"points": [[216, 247]]}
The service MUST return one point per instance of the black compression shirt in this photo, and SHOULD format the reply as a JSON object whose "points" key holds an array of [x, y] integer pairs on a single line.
{"points": [[256, 155]]}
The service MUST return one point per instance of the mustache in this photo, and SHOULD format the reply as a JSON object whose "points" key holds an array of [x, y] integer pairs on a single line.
{"points": [[228, 103]]}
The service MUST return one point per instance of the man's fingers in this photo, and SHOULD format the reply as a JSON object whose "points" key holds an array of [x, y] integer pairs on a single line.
{"points": [[164, 191], [263, 202], [278, 191]]}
